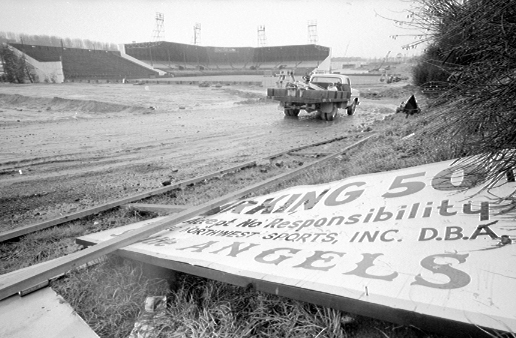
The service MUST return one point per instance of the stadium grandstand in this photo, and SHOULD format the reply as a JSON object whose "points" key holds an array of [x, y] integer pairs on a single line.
{"points": [[173, 57], [78, 63], [153, 59]]}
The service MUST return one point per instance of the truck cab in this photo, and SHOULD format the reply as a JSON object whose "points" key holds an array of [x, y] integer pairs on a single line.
{"points": [[341, 82]]}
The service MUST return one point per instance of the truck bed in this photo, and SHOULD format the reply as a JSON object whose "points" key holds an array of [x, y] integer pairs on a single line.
{"points": [[307, 96]]}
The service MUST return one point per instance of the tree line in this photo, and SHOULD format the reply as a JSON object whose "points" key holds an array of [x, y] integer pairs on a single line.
{"points": [[55, 41]]}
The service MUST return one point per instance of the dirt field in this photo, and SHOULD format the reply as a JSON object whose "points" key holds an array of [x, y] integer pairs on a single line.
{"points": [[66, 147]]}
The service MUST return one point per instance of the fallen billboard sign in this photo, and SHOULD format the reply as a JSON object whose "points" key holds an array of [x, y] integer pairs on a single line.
{"points": [[424, 240]]}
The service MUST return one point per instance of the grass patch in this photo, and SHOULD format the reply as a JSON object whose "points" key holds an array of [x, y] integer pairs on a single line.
{"points": [[109, 296]]}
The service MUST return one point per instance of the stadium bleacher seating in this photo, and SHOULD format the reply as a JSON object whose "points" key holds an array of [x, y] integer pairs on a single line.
{"points": [[187, 57], [40, 53], [308, 64], [86, 63]]}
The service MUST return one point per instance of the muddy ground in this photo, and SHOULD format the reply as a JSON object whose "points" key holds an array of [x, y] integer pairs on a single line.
{"points": [[67, 147]]}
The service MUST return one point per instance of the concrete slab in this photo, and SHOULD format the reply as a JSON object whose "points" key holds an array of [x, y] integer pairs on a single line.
{"points": [[41, 314]]}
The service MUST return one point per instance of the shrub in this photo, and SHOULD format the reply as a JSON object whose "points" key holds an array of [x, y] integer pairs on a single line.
{"points": [[430, 68], [475, 42]]}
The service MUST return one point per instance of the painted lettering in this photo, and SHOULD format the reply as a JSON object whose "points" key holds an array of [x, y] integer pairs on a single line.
{"points": [[367, 262], [309, 200], [273, 253], [353, 219], [251, 223], [483, 210], [409, 188], [235, 248], [371, 236], [384, 238], [309, 263], [427, 234], [470, 177], [444, 207], [288, 203], [332, 201], [457, 278], [267, 206], [382, 215], [484, 230], [199, 247], [453, 233]]}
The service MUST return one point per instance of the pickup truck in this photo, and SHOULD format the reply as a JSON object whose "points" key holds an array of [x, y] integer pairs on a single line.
{"points": [[323, 93]]}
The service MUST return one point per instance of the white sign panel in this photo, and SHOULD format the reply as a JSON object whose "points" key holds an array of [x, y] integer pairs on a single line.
{"points": [[421, 239]]}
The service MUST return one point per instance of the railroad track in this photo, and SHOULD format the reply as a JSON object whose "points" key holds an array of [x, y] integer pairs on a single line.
{"points": [[23, 279]]}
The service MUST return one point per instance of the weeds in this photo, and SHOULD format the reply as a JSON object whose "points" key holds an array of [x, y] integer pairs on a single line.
{"points": [[472, 49], [109, 296]]}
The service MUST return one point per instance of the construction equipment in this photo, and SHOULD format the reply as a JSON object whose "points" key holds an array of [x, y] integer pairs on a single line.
{"points": [[378, 69], [323, 93]]}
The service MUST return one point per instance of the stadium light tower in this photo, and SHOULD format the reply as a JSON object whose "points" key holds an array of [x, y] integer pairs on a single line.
{"points": [[312, 32], [159, 30], [262, 39], [197, 34]]}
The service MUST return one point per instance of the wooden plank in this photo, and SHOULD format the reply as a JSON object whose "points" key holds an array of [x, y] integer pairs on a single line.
{"points": [[13, 283], [171, 209], [42, 265]]}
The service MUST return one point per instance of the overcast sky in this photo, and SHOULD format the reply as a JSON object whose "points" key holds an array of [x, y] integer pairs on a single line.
{"points": [[349, 27]]}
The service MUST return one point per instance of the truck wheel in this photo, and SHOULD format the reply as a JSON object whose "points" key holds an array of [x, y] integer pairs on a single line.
{"points": [[291, 112], [351, 109], [330, 116]]}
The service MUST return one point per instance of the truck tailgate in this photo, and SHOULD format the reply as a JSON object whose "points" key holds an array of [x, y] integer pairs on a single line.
{"points": [[307, 96]]}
